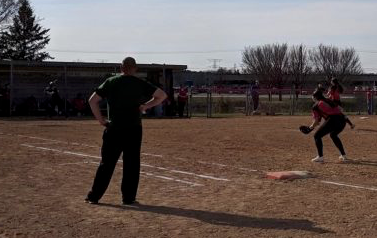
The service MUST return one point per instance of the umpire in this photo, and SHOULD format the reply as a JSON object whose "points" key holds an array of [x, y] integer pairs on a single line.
{"points": [[127, 96]]}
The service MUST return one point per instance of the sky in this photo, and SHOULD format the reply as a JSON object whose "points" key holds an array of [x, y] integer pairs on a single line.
{"points": [[203, 33]]}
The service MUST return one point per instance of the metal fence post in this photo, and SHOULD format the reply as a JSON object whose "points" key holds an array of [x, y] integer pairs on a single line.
{"points": [[66, 91], [188, 102], [189, 106], [371, 102], [292, 103], [247, 107], [11, 88], [209, 102]]}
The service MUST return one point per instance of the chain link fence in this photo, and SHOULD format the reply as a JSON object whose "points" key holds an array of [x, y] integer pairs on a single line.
{"points": [[63, 90], [29, 90], [210, 102]]}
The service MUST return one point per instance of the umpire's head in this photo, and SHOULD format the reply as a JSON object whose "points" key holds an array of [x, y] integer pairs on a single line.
{"points": [[129, 66]]}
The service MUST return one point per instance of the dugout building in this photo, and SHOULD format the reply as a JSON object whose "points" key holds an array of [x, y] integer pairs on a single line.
{"points": [[23, 83]]}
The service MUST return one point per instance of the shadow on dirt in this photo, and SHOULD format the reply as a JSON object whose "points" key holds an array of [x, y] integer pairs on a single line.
{"points": [[226, 219], [367, 130], [363, 162]]}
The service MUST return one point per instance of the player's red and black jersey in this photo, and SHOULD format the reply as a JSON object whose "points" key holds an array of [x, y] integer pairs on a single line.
{"points": [[334, 94], [324, 109]]}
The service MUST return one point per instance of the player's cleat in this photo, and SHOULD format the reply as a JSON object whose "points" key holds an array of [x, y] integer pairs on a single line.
{"points": [[343, 159], [318, 159], [87, 200], [352, 126]]}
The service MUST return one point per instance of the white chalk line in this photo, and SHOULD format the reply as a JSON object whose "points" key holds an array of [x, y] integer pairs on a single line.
{"points": [[80, 154], [229, 166], [57, 141], [218, 164], [45, 143], [187, 173], [153, 155], [172, 179], [75, 143], [349, 185], [143, 173], [142, 164], [145, 154]]}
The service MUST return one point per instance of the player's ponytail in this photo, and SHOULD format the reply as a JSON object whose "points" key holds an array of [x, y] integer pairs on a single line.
{"points": [[336, 85], [318, 95]]}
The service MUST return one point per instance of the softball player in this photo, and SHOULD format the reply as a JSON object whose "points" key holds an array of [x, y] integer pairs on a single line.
{"points": [[334, 94], [334, 123]]}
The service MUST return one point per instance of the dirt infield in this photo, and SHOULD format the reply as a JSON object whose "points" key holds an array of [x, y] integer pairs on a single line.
{"points": [[200, 178]]}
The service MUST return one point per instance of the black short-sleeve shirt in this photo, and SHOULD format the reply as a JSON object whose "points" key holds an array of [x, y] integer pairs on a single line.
{"points": [[125, 94]]}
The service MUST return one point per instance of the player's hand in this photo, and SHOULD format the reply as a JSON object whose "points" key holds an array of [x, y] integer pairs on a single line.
{"points": [[104, 122], [143, 108]]}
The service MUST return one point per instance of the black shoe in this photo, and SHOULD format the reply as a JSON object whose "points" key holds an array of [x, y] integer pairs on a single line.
{"points": [[87, 200], [130, 203]]}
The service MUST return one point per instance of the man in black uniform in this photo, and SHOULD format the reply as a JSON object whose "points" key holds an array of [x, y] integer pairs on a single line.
{"points": [[128, 97]]}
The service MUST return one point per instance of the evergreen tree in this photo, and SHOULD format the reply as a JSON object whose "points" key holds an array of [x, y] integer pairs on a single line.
{"points": [[25, 39], [7, 10]]}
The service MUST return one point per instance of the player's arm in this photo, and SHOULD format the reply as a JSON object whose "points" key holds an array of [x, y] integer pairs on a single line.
{"points": [[94, 101], [315, 123], [157, 98], [316, 118]]}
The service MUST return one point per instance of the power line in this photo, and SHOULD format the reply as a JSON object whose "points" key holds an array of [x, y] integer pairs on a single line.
{"points": [[143, 52], [172, 52]]}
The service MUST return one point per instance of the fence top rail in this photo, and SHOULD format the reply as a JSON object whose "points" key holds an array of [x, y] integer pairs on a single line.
{"points": [[243, 90], [88, 64]]}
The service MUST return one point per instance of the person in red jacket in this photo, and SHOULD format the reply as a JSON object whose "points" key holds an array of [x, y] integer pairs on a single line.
{"points": [[182, 100], [334, 123], [334, 94]]}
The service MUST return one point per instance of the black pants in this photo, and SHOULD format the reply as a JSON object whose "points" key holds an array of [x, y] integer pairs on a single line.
{"points": [[116, 141], [333, 125], [181, 108], [255, 102]]}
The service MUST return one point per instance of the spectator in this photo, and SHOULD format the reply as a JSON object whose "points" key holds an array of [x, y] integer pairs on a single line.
{"points": [[53, 99], [369, 101], [321, 88], [5, 100], [182, 100], [79, 104], [31, 105], [255, 95], [158, 110]]}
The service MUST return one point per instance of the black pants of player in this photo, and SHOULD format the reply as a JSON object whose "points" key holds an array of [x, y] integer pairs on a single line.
{"points": [[333, 125], [255, 102], [116, 141], [181, 108]]}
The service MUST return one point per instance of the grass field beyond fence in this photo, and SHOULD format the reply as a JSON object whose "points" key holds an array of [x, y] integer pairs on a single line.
{"points": [[236, 104]]}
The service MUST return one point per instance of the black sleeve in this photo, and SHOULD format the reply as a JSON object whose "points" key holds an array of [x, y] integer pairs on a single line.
{"points": [[103, 89]]}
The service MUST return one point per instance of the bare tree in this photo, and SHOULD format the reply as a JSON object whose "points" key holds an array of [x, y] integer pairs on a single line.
{"points": [[257, 61], [299, 66], [7, 9], [334, 62], [269, 63]]}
